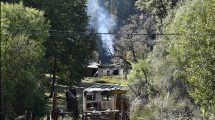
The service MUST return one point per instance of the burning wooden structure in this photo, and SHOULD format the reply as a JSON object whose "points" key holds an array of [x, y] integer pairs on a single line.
{"points": [[108, 70], [95, 69]]}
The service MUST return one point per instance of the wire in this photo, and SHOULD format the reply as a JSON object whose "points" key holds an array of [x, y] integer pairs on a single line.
{"points": [[47, 2], [68, 33]]}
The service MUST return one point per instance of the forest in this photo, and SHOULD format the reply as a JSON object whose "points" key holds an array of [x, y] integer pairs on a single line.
{"points": [[165, 47]]}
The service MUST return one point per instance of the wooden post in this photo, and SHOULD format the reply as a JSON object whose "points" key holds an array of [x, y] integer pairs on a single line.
{"points": [[54, 110]]}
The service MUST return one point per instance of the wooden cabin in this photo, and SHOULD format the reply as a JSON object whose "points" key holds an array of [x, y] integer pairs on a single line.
{"points": [[108, 70], [104, 102], [95, 69]]}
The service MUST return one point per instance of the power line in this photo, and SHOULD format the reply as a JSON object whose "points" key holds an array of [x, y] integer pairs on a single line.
{"points": [[67, 33], [60, 34], [46, 3]]}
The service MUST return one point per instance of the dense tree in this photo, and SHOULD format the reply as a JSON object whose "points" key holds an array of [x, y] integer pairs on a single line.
{"points": [[70, 45], [120, 8], [72, 52], [158, 10], [129, 47], [194, 51], [180, 69], [171, 76], [135, 39], [161, 8], [21, 53], [128, 39]]}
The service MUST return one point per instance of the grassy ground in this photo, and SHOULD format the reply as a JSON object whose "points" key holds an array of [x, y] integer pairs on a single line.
{"points": [[61, 99], [107, 79]]}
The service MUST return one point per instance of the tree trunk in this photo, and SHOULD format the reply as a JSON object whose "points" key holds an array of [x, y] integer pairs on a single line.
{"points": [[54, 78], [28, 115], [54, 110]]}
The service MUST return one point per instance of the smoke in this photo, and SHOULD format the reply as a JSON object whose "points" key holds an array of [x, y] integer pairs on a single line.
{"points": [[103, 22]]}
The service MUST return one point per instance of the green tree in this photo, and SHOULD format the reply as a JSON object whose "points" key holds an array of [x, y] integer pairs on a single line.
{"points": [[194, 51], [72, 52], [73, 49], [181, 67], [21, 53], [158, 11], [71, 45], [158, 7]]}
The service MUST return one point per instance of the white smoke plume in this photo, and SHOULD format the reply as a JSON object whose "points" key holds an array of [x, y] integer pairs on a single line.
{"points": [[102, 21]]}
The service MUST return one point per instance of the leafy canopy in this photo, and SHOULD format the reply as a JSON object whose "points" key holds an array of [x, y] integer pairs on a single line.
{"points": [[195, 50], [21, 52]]}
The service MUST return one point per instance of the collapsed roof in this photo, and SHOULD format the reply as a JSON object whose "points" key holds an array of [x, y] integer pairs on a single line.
{"points": [[105, 87]]}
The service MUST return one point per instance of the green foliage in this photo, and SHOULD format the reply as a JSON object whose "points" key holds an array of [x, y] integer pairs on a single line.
{"points": [[23, 24], [21, 53], [157, 12], [130, 47], [72, 51], [158, 7], [140, 82], [180, 67], [194, 51], [140, 71]]}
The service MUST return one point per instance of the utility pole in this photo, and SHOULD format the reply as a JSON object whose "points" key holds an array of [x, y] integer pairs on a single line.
{"points": [[53, 94], [54, 78]]}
